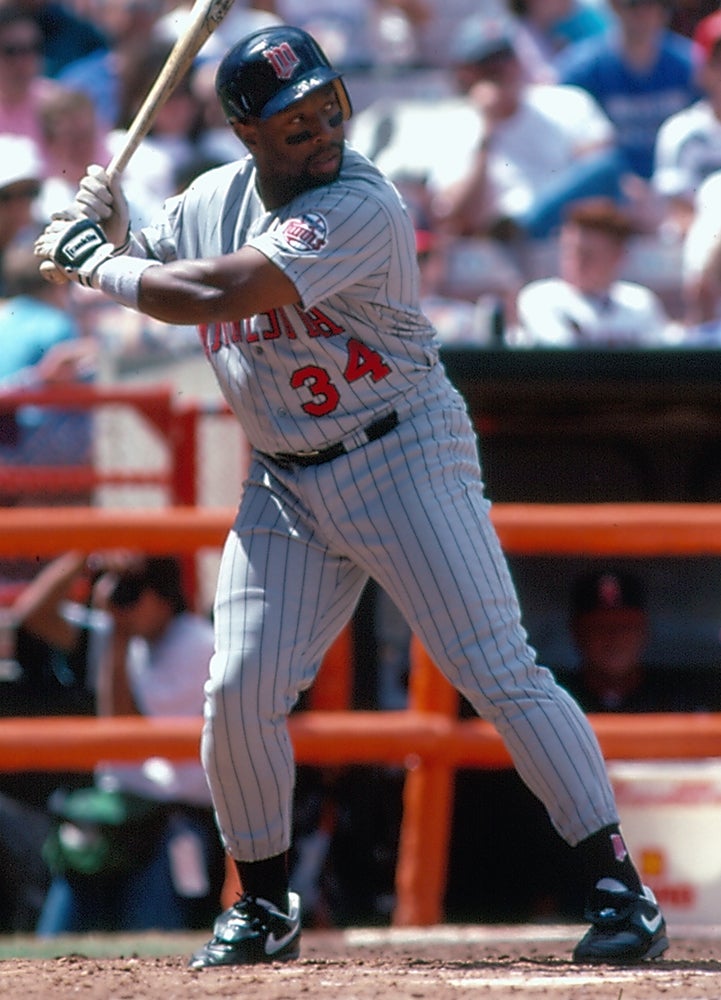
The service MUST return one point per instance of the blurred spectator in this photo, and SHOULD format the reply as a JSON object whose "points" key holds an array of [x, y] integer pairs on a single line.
{"points": [[172, 147], [67, 35], [686, 14], [103, 74], [456, 320], [41, 345], [702, 263], [545, 27], [361, 35], [437, 34], [503, 157], [610, 628], [609, 623], [589, 304], [73, 139], [586, 19], [216, 141], [164, 867], [22, 84], [57, 643], [688, 146], [640, 73], [20, 186]]}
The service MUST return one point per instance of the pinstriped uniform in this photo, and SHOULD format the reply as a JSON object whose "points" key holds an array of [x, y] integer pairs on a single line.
{"points": [[406, 508]]}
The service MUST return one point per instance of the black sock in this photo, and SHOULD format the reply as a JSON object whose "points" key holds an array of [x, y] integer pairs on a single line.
{"points": [[267, 878], [604, 855]]}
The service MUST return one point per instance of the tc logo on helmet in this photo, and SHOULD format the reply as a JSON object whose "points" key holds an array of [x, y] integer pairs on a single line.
{"points": [[283, 60]]}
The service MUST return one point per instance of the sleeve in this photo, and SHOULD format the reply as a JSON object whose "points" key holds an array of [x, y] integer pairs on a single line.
{"points": [[340, 239], [670, 177], [157, 240], [705, 231], [587, 119]]}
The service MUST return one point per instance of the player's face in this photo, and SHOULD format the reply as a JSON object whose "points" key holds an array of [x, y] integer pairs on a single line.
{"points": [[298, 148]]}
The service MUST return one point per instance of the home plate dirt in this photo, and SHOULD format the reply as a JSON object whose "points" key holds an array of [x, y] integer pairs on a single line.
{"points": [[437, 963]]}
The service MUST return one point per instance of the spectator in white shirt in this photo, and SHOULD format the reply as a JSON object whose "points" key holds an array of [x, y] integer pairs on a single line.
{"points": [[589, 304], [688, 145]]}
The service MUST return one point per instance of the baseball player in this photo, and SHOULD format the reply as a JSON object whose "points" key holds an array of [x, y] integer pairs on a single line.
{"points": [[298, 265]]}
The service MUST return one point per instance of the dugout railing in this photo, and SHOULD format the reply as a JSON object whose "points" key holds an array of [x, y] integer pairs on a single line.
{"points": [[427, 738]]}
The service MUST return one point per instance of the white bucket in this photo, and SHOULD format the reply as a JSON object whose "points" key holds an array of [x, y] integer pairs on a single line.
{"points": [[671, 820]]}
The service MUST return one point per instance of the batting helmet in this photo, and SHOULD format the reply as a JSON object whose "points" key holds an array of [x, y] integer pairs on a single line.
{"points": [[271, 68]]}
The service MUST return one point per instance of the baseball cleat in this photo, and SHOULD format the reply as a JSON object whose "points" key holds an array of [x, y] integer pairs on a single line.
{"points": [[250, 932], [625, 927]]}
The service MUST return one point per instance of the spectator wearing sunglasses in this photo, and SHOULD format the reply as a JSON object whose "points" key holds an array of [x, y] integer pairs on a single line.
{"points": [[23, 85]]}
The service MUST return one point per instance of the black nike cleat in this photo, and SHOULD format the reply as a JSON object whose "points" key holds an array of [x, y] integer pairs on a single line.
{"points": [[250, 932], [625, 927]]}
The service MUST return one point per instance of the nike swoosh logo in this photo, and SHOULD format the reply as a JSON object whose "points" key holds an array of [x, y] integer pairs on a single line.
{"points": [[273, 944], [652, 925]]}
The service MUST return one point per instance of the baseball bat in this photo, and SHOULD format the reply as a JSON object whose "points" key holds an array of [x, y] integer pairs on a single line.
{"points": [[204, 18]]}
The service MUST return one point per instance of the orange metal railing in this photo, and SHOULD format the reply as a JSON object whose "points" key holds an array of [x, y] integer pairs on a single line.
{"points": [[427, 738]]}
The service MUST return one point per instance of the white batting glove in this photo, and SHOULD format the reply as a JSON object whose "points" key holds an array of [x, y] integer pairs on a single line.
{"points": [[77, 247], [101, 199]]}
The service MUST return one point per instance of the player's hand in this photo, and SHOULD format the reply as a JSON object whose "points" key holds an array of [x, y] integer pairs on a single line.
{"points": [[101, 199], [77, 246]]}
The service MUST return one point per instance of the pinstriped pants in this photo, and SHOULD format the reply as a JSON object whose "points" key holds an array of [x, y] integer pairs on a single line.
{"points": [[409, 511]]}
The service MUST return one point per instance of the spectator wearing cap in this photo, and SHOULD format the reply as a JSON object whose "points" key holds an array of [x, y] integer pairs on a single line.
{"points": [[610, 627], [505, 155], [589, 304], [688, 145], [20, 183], [155, 664]]}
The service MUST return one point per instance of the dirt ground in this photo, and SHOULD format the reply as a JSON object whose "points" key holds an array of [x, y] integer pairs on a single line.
{"points": [[403, 964]]}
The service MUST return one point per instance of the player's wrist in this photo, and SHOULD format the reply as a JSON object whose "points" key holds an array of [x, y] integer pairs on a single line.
{"points": [[119, 277]]}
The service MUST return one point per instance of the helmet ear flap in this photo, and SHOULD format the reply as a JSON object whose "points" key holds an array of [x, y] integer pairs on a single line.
{"points": [[343, 98]]}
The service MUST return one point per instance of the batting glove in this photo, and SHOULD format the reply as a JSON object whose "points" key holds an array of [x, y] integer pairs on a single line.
{"points": [[101, 199], [78, 247]]}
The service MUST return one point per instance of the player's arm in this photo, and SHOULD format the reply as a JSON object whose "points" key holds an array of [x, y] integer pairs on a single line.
{"points": [[229, 287]]}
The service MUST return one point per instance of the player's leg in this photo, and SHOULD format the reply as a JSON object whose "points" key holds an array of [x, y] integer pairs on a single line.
{"points": [[281, 600], [425, 534]]}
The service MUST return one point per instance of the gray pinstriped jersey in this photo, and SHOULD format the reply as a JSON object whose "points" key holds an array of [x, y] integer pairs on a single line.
{"points": [[302, 377]]}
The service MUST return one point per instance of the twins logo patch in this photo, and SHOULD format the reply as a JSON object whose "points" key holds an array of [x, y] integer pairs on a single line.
{"points": [[283, 60], [307, 232]]}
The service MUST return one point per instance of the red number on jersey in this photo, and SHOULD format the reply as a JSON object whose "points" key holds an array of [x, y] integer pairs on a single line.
{"points": [[363, 360], [316, 380]]}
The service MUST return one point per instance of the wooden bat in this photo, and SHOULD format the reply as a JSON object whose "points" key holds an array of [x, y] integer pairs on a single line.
{"points": [[204, 18]]}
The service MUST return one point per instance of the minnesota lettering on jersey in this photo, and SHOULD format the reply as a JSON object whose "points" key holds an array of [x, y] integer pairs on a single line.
{"points": [[215, 336]]}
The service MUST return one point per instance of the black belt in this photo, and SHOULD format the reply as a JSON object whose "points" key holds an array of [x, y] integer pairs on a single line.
{"points": [[377, 429]]}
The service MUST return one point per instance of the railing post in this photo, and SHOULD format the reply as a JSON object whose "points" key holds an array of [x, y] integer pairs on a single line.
{"points": [[422, 866]]}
